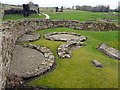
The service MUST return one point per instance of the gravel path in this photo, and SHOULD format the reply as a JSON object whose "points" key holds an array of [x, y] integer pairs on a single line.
{"points": [[25, 60]]}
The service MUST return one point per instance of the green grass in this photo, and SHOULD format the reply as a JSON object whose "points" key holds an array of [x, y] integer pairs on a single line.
{"points": [[19, 16], [80, 15], [78, 71], [68, 15]]}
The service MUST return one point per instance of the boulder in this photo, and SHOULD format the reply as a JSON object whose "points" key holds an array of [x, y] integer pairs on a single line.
{"points": [[97, 64], [110, 51]]}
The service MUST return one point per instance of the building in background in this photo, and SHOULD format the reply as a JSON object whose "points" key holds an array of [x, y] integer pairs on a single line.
{"points": [[34, 7], [25, 9]]}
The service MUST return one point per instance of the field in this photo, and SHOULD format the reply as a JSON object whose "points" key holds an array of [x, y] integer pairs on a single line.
{"points": [[70, 15], [80, 15], [78, 71]]}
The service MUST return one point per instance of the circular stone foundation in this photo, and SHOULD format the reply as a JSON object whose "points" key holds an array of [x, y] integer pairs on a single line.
{"points": [[64, 36], [30, 60]]}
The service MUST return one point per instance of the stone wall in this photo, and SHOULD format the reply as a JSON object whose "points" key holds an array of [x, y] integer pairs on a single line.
{"points": [[1, 12], [12, 30], [2, 66], [44, 24]]}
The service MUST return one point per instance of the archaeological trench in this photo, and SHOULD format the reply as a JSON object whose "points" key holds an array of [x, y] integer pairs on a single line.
{"points": [[13, 32]]}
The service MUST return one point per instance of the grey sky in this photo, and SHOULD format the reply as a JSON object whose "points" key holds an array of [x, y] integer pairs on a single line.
{"points": [[67, 3]]}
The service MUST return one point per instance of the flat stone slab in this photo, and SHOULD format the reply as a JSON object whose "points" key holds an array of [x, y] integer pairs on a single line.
{"points": [[29, 37], [64, 36], [25, 59], [97, 63], [30, 60], [110, 51]]}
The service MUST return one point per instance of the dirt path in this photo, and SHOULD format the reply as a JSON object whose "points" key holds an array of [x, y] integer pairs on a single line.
{"points": [[46, 15]]}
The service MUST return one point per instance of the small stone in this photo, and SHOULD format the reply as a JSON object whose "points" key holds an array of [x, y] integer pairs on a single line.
{"points": [[97, 63]]}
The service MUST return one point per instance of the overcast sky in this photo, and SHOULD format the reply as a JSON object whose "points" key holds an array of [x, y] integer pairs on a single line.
{"points": [[68, 3]]}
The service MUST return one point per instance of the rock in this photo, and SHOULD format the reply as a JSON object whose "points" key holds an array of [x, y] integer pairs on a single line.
{"points": [[82, 38], [110, 51], [14, 80], [51, 57], [64, 50], [97, 63]]}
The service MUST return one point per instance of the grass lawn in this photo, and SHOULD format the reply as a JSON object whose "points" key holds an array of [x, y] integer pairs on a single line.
{"points": [[18, 16], [78, 71], [68, 15], [80, 15]]}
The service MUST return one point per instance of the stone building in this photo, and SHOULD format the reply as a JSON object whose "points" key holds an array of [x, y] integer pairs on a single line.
{"points": [[34, 6]]}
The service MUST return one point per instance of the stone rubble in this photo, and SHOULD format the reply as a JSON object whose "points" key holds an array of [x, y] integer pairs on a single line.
{"points": [[97, 64], [64, 50], [40, 24], [14, 80], [110, 51]]}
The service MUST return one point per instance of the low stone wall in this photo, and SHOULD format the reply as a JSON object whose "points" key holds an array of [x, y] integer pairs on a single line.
{"points": [[12, 30], [2, 66], [38, 24], [110, 51], [64, 50]]}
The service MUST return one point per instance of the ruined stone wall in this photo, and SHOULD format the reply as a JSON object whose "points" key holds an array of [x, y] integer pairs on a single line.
{"points": [[12, 30], [35, 24], [2, 66]]}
